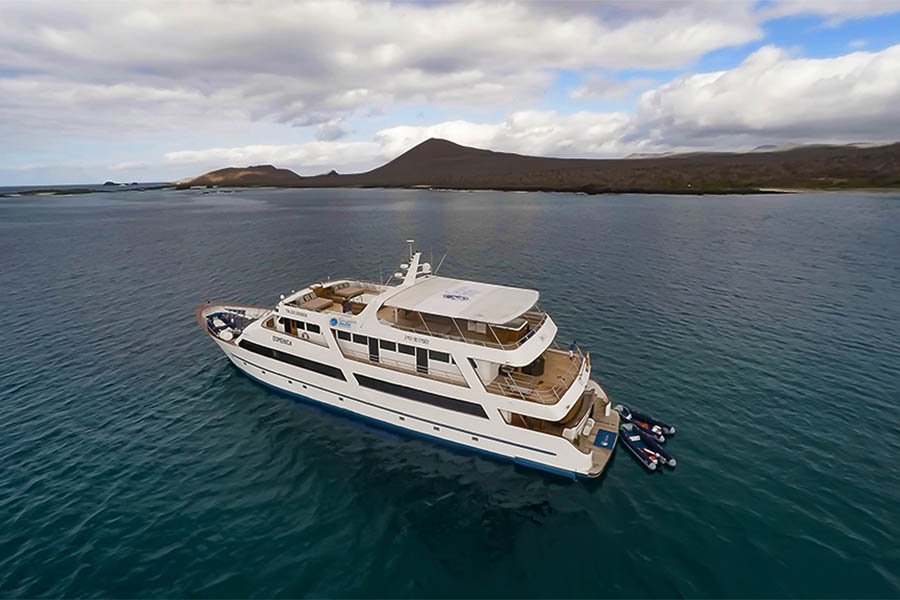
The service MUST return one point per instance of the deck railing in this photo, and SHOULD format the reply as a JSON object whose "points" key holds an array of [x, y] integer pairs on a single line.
{"points": [[535, 319], [525, 387], [437, 373]]}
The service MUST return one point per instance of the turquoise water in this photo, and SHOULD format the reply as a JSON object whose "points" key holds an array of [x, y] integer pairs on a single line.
{"points": [[135, 461]]}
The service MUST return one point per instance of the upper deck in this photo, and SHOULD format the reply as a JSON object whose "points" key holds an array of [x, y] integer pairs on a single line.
{"points": [[464, 300], [489, 315]]}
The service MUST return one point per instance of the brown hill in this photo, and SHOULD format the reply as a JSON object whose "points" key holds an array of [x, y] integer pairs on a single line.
{"points": [[259, 175], [443, 164]]}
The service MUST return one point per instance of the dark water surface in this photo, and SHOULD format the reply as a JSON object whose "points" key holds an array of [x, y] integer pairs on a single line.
{"points": [[135, 461]]}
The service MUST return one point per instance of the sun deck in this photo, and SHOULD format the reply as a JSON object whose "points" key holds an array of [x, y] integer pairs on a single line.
{"points": [[341, 298]]}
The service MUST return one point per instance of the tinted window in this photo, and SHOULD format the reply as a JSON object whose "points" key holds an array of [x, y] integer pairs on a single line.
{"points": [[297, 361], [300, 325], [421, 396], [441, 356], [404, 349], [360, 339], [386, 345], [343, 335], [313, 327]]}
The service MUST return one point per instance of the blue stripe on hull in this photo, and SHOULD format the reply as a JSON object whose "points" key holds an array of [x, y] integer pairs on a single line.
{"points": [[347, 412]]}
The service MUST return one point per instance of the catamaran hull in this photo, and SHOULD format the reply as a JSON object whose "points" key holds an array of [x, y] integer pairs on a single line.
{"points": [[485, 435]]}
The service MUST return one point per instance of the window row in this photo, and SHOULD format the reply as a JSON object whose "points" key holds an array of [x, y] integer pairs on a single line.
{"points": [[392, 346], [417, 395], [297, 361]]}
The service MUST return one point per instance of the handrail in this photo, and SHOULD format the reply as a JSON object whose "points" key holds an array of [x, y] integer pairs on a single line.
{"points": [[512, 383], [390, 363]]}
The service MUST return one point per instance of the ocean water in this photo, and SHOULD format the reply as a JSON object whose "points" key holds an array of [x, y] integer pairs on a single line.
{"points": [[135, 461]]}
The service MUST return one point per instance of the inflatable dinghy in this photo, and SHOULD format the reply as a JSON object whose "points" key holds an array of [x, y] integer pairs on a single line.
{"points": [[631, 437], [657, 428]]}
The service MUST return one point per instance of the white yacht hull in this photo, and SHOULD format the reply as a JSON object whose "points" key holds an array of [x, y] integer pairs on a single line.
{"points": [[487, 435]]}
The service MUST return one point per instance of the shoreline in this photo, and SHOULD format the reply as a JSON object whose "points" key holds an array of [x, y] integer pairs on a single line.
{"points": [[584, 190]]}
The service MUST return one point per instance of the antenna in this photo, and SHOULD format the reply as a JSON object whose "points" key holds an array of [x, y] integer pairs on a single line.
{"points": [[410, 242], [440, 263]]}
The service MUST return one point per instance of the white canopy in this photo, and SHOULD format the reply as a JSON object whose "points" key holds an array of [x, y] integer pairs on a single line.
{"points": [[459, 299]]}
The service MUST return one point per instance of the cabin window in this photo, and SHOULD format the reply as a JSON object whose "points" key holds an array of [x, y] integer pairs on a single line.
{"points": [[404, 349], [439, 356], [343, 335], [360, 339], [422, 396], [297, 361], [386, 345], [313, 328]]}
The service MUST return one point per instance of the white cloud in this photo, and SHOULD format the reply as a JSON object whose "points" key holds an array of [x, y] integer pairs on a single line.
{"points": [[773, 96], [599, 86], [836, 11]]}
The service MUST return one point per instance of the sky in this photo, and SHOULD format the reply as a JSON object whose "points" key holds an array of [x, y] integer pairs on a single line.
{"points": [[160, 91]]}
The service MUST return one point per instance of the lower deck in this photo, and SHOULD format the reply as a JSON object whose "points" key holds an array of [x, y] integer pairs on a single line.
{"points": [[602, 422], [592, 414]]}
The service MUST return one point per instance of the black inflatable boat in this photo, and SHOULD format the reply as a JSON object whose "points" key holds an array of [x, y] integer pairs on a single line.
{"points": [[631, 437]]}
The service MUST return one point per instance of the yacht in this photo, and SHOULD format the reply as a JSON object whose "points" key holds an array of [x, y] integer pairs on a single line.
{"points": [[469, 363]]}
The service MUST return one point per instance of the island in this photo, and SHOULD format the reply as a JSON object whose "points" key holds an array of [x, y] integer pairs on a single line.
{"points": [[442, 164]]}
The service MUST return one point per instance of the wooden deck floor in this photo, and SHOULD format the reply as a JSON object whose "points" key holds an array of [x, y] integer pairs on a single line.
{"points": [[602, 421]]}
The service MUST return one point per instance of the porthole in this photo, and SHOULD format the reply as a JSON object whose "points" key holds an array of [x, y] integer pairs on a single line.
{"points": [[437, 428]]}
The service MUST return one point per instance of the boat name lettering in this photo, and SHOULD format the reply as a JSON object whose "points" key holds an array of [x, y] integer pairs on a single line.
{"points": [[295, 312], [417, 339], [281, 340], [335, 322], [459, 297]]}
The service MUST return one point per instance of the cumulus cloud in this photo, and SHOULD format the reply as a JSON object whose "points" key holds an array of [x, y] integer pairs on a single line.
{"points": [[773, 96]]}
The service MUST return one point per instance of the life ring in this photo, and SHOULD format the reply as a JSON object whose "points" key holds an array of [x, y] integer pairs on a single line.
{"points": [[304, 336]]}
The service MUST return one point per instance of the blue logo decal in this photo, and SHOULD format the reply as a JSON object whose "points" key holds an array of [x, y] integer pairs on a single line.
{"points": [[332, 322]]}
